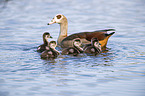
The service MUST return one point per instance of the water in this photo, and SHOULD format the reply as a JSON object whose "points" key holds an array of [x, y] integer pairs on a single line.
{"points": [[119, 71]]}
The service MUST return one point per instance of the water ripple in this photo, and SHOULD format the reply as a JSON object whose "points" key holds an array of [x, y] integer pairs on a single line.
{"points": [[119, 67]]}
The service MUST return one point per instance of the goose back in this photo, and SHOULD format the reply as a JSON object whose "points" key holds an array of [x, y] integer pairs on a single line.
{"points": [[86, 37]]}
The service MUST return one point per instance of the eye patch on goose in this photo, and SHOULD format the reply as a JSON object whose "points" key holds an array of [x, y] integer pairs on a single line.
{"points": [[58, 16]]}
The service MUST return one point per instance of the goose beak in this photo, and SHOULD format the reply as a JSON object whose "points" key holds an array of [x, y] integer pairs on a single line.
{"points": [[52, 22]]}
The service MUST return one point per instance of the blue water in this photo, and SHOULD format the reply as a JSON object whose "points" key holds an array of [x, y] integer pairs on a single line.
{"points": [[119, 71]]}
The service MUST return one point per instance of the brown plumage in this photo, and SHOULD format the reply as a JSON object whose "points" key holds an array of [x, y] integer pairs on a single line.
{"points": [[75, 49], [44, 46], [64, 40], [51, 52], [94, 47], [86, 37]]}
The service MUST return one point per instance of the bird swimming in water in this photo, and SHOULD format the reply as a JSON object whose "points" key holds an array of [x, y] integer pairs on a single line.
{"points": [[94, 47], [63, 40], [44, 46], [51, 52], [75, 49]]}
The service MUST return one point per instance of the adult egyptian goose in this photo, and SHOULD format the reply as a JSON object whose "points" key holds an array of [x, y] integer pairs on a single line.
{"points": [[64, 40], [44, 46], [51, 52], [75, 49], [94, 47]]}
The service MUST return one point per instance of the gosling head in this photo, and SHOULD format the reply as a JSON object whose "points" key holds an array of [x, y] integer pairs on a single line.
{"points": [[59, 18], [95, 42], [46, 35], [77, 42], [52, 44]]}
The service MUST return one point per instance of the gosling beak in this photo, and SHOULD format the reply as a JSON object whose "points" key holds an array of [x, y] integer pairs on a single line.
{"points": [[50, 37]]}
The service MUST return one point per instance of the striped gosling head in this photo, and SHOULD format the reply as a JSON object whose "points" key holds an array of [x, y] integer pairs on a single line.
{"points": [[46, 35], [95, 42], [77, 42], [52, 44]]}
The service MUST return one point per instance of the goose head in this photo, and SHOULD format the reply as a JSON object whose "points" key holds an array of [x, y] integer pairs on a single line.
{"points": [[52, 44], [59, 18]]}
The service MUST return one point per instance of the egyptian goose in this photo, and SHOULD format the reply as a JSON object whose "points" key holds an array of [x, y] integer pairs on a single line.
{"points": [[44, 46], [93, 48], [63, 39], [75, 49], [51, 52]]}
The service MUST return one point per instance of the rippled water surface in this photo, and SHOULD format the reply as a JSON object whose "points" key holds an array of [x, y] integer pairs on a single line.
{"points": [[119, 71]]}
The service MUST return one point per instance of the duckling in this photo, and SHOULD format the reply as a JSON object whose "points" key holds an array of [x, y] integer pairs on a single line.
{"points": [[51, 52], [94, 47], [44, 46], [75, 49], [85, 37]]}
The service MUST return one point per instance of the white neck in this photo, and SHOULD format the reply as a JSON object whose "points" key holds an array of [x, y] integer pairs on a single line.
{"points": [[97, 46], [55, 50], [79, 48], [63, 31]]}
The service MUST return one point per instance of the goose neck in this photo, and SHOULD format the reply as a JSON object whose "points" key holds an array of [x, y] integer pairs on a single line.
{"points": [[63, 28], [63, 32]]}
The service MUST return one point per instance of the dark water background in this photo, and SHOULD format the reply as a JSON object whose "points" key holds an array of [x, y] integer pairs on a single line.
{"points": [[118, 72]]}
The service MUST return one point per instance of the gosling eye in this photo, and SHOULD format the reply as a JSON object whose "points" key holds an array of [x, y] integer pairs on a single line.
{"points": [[46, 36]]}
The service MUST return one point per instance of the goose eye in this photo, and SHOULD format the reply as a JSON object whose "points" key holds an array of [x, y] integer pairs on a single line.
{"points": [[58, 16]]}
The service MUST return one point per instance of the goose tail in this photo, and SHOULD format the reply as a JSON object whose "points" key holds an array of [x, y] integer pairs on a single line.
{"points": [[104, 42], [105, 30], [109, 30], [110, 34]]}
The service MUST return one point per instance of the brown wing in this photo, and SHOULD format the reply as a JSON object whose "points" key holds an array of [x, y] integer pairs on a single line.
{"points": [[92, 50], [89, 49], [41, 48], [100, 34], [46, 54]]}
